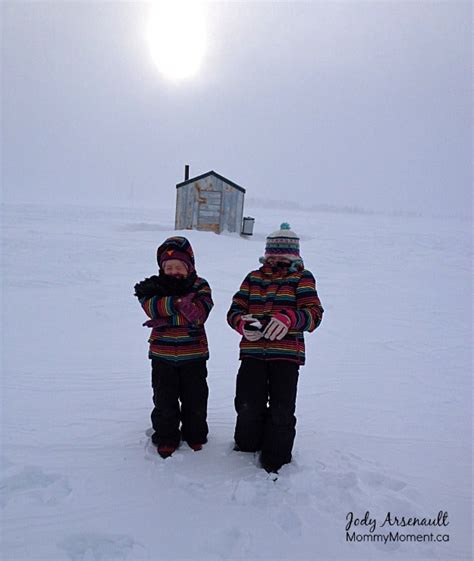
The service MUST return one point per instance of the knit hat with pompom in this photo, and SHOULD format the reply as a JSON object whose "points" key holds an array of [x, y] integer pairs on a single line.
{"points": [[283, 244]]}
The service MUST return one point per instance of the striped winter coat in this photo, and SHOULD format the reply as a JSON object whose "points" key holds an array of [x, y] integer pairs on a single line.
{"points": [[179, 340], [264, 291]]}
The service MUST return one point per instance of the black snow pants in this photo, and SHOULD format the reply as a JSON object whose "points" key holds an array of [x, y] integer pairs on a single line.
{"points": [[265, 402], [180, 395]]}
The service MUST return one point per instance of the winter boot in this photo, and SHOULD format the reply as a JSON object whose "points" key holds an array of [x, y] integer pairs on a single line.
{"points": [[165, 450], [268, 465]]}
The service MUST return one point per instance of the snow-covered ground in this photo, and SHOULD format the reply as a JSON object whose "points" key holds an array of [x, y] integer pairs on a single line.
{"points": [[384, 404]]}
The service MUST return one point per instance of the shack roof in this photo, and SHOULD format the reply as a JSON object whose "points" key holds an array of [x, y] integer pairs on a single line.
{"points": [[193, 179]]}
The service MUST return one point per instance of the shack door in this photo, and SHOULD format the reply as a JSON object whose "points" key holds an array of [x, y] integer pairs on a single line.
{"points": [[209, 211]]}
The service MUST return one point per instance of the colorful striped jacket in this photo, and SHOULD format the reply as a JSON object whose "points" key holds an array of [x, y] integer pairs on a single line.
{"points": [[179, 340], [264, 291]]}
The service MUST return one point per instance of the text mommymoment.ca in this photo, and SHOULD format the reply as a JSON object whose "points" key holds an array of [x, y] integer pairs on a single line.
{"points": [[391, 520]]}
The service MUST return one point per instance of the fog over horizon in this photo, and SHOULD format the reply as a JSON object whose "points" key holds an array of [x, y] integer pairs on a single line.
{"points": [[362, 105]]}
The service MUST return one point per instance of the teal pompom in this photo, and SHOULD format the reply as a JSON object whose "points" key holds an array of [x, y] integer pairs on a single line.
{"points": [[285, 226], [296, 265]]}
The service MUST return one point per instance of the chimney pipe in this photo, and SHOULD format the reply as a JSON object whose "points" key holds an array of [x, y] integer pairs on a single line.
{"points": [[186, 172]]}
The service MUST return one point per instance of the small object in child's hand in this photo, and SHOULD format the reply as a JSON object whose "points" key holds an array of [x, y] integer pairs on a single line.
{"points": [[251, 323], [254, 326]]}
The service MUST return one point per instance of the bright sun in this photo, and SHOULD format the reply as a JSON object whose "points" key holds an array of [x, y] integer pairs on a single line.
{"points": [[177, 37]]}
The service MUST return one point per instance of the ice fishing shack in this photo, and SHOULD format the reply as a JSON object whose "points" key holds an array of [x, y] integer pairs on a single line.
{"points": [[209, 202]]}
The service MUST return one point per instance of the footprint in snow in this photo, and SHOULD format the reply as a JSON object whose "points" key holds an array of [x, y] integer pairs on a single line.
{"points": [[289, 522], [365, 479], [244, 493], [32, 484], [229, 543], [377, 480], [259, 490], [360, 483], [349, 482], [97, 547]]}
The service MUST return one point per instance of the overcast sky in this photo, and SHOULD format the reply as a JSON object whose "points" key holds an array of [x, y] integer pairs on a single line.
{"points": [[354, 103]]}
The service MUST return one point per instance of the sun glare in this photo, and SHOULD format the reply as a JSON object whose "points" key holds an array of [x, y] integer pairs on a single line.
{"points": [[177, 37]]}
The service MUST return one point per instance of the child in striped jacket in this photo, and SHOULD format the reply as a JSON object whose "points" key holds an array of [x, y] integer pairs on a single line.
{"points": [[274, 305], [178, 303]]}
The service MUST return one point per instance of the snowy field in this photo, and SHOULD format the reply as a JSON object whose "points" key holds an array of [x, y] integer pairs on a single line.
{"points": [[384, 404]]}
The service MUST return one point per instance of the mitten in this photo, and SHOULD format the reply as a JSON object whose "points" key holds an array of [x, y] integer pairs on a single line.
{"points": [[252, 335], [277, 327], [249, 327], [186, 306], [148, 288]]}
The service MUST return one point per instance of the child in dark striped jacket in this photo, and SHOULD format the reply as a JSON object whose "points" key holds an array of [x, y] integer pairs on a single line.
{"points": [[178, 303], [273, 307]]}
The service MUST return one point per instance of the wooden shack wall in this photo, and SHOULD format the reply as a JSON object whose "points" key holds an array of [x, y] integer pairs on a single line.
{"points": [[185, 203], [232, 209]]}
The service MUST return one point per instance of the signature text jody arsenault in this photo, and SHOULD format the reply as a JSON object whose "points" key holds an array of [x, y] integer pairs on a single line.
{"points": [[391, 520]]}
